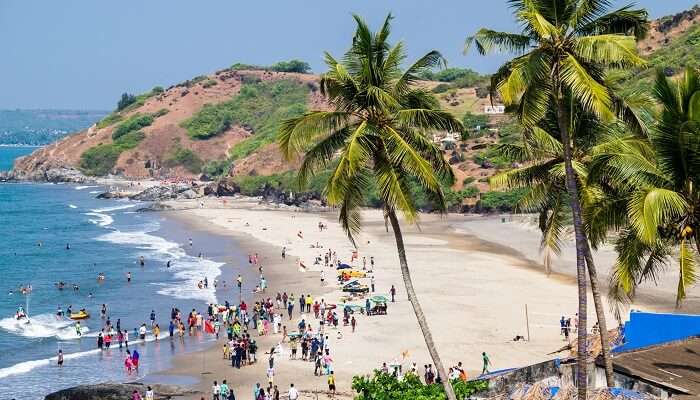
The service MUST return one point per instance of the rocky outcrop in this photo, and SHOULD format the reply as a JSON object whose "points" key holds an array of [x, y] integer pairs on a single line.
{"points": [[53, 175], [168, 192], [223, 187], [155, 207], [118, 391]]}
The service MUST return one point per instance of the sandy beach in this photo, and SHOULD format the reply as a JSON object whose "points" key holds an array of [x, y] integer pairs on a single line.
{"points": [[473, 291]]}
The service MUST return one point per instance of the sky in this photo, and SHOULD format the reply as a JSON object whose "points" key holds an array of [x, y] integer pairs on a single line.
{"points": [[82, 54]]}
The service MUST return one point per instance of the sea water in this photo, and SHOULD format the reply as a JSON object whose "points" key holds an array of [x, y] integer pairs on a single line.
{"points": [[52, 233]]}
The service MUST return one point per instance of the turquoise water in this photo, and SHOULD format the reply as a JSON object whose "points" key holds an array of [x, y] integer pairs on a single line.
{"points": [[37, 224], [8, 155]]}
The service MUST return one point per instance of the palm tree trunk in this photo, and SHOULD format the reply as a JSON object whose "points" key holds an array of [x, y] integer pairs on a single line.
{"points": [[582, 360], [422, 322], [600, 314]]}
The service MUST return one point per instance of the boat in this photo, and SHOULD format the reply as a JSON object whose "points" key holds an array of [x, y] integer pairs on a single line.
{"points": [[82, 314]]}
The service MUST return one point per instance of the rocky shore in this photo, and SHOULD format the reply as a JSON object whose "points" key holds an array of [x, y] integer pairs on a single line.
{"points": [[118, 391]]}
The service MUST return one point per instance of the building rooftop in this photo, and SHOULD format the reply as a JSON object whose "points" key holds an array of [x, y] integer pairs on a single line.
{"points": [[675, 365]]}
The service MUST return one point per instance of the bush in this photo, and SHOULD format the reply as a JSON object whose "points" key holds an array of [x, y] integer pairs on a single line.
{"points": [[109, 120], [135, 122], [442, 88], [295, 65], [186, 158], [157, 90], [99, 160], [160, 112], [386, 387], [209, 83], [468, 180], [241, 66], [217, 168], [129, 140], [502, 201], [125, 101]]}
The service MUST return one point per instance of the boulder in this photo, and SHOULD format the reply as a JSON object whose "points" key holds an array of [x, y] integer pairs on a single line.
{"points": [[167, 192], [117, 391], [221, 188], [65, 174]]}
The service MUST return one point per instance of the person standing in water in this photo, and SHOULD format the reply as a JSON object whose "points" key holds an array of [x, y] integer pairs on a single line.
{"points": [[128, 277], [60, 358]]}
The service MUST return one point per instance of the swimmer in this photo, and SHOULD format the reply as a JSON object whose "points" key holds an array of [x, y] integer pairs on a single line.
{"points": [[142, 261], [67, 246], [167, 265]]}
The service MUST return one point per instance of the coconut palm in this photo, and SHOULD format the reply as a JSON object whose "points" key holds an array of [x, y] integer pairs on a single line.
{"points": [[565, 47], [376, 136], [653, 192]]}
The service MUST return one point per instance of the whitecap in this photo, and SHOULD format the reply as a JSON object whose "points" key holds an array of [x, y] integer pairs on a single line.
{"points": [[114, 208], [72, 206], [101, 219], [95, 191], [85, 187]]}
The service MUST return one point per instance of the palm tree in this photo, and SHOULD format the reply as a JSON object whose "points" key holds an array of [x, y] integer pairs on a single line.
{"points": [[377, 135], [565, 47], [652, 196]]}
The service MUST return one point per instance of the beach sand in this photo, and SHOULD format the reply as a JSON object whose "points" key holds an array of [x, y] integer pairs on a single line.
{"points": [[473, 292]]}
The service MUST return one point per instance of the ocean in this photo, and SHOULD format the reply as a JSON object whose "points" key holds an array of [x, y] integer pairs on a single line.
{"points": [[54, 233]]}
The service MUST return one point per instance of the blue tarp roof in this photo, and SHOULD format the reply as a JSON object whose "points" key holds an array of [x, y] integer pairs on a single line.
{"points": [[649, 329]]}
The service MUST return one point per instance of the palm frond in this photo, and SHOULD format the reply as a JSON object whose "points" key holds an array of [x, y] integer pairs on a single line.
{"points": [[487, 41], [610, 50], [296, 133], [592, 95], [625, 21], [687, 271], [428, 120], [650, 208]]}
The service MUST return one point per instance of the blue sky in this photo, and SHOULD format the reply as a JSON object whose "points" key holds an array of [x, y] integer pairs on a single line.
{"points": [[85, 53]]}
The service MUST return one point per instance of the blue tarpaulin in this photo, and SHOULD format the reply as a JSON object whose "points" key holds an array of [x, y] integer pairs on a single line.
{"points": [[649, 329]]}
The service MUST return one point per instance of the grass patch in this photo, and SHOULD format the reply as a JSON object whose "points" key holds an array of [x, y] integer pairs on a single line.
{"points": [[186, 158], [134, 123], [101, 159], [260, 106], [112, 118], [209, 83], [502, 201]]}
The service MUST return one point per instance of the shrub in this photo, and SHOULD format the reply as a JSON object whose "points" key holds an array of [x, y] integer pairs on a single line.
{"points": [[384, 386], [468, 180], [186, 158], [99, 160], [109, 120], [209, 83], [160, 112], [157, 90], [135, 122], [502, 201], [441, 88], [241, 66], [125, 101], [217, 168], [295, 65], [129, 140]]}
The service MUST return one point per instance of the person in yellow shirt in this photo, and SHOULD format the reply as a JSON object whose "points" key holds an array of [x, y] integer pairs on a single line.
{"points": [[309, 302], [331, 384], [156, 331]]}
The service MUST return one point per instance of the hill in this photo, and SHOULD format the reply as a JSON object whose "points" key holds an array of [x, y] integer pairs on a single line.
{"points": [[223, 125], [40, 127]]}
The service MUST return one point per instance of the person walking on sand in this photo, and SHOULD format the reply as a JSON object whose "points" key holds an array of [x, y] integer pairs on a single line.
{"points": [[487, 363], [393, 294], [256, 391], [215, 391], [331, 384], [353, 323], [372, 283]]}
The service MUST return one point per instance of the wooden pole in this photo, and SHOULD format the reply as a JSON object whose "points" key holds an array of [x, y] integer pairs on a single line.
{"points": [[527, 323]]}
